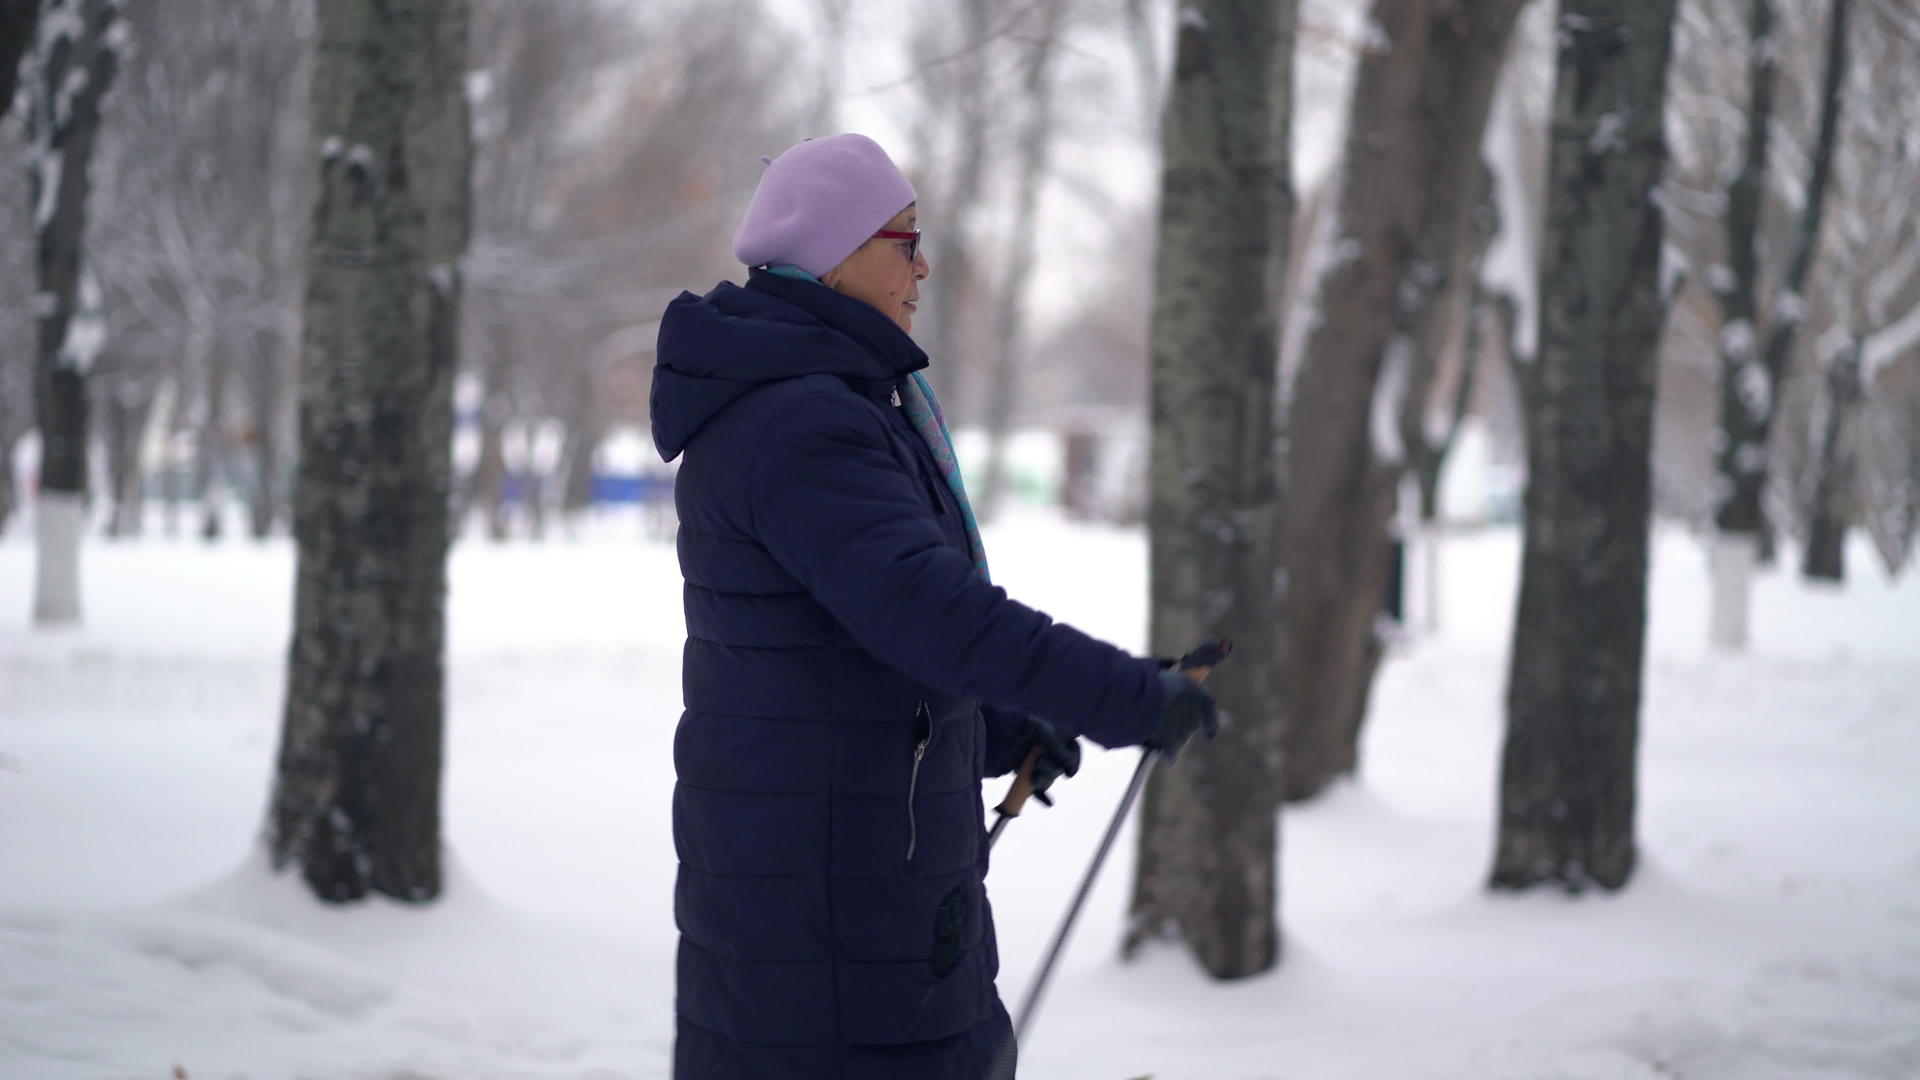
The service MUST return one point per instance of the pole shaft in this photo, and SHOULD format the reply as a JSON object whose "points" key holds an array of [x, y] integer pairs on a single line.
{"points": [[1039, 985]]}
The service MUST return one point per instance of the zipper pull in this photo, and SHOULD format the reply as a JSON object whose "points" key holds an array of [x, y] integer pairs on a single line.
{"points": [[913, 781], [896, 397]]}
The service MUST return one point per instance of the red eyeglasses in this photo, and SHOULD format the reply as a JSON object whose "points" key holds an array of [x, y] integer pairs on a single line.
{"points": [[913, 248]]}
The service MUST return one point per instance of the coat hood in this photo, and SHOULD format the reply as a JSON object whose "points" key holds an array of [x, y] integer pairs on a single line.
{"points": [[714, 349]]}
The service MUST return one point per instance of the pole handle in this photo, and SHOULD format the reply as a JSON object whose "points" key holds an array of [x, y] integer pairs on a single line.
{"points": [[1022, 788]]}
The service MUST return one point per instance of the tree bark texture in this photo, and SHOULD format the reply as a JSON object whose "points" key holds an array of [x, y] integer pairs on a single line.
{"points": [[129, 407], [1746, 394], [18, 19], [1425, 455], [484, 491], [1411, 182], [356, 799], [486, 488], [1830, 503], [1751, 369], [212, 459], [266, 386], [533, 492], [1208, 844], [1750, 372], [65, 78], [9, 497], [576, 490], [586, 426], [1573, 693]]}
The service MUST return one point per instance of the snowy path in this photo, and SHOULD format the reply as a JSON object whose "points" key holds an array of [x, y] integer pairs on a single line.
{"points": [[1773, 933]]}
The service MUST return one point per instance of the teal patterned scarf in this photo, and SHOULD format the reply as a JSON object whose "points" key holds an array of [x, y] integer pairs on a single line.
{"points": [[923, 412]]}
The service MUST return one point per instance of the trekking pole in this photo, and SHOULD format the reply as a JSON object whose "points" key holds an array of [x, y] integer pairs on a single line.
{"points": [[1003, 1061], [1017, 797], [1197, 665], [1031, 1002]]}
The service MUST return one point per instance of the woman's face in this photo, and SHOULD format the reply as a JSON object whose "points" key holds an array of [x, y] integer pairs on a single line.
{"points": [[880, 273]]}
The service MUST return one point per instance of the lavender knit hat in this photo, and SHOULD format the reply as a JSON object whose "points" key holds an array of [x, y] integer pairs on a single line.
{"points": [[820, 201]]}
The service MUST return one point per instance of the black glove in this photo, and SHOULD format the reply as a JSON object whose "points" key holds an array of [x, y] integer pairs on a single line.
{"points": [[1059, 755], [1189, 709]]}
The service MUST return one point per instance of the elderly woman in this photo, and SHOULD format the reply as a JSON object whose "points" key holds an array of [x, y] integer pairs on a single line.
{"points": [[851, 674]]}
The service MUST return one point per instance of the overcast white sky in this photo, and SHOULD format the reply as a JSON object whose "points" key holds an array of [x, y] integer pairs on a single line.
{"points": [[1104, 157]]}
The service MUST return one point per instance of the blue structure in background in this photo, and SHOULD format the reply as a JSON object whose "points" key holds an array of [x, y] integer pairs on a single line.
{"points": [[634, 489], [638, 489]]}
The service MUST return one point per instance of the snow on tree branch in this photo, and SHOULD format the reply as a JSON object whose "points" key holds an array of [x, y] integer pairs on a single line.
{"points": [[1891, 342], [87, 332], [1512, 263]]}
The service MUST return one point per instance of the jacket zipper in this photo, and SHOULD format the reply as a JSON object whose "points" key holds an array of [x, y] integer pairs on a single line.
{"points": [[920, 713], [928, 469], [934, 484]]}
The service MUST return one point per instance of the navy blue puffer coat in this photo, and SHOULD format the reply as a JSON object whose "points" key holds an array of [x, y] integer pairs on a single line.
{"points": [[846, 675]]}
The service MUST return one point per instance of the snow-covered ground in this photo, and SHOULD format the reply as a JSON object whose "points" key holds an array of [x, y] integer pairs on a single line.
{"points": [[1773, 932]]}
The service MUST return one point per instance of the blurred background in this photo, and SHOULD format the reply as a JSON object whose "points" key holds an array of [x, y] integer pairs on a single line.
{"points": [[616, 145], [1773, 929]]}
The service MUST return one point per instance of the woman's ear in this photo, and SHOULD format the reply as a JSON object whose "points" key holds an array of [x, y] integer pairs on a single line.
{"points": [[831, 279]]}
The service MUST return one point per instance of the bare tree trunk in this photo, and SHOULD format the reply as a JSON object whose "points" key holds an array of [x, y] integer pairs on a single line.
{"points": [[1429, 459], [356, 799], [576, 491], [1209, 828], [1010, 300], [1746, 395], [1411, 182], [64, 78], [173, 494], [210, 472], [485, 489], [534, 487], [1830, 506], [129, 409], [585, 427], [1426, 455], [18, 20], [1750, 377], [1893, 470], [9, 494], [949, 210], [266, 384], [17, 279], [1079, 474], [1567, 781], [488, 488]]}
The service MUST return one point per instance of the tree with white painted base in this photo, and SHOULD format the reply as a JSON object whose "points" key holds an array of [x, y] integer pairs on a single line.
{"points": [[1756, 344], [64, 77], [1426, 445]]}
